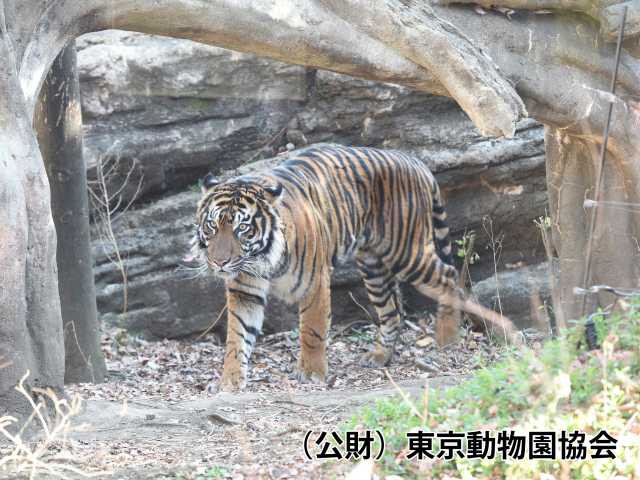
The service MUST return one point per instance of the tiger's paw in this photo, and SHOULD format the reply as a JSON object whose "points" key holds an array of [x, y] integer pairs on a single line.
{"points": [[305, 377], [311, 373], [232, 382], [376, 358]]}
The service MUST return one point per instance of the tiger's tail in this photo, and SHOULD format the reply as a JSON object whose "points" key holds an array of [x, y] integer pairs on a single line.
{"points": [[440, 228]]}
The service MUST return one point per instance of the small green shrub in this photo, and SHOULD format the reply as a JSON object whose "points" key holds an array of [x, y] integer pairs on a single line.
{"points": [[465, 248], [562, 387]]}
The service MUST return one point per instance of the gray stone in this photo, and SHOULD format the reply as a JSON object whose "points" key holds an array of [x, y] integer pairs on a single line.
{"points": [[178, 108], [518, 294]]}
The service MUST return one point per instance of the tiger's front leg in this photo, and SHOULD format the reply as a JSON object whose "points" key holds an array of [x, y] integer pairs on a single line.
{"points": [[315, 321], [246, 299]]}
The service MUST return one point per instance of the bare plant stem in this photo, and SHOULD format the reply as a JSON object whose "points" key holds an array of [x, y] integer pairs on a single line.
{"points": [[33, 460], [496, 250], [108, 206]]}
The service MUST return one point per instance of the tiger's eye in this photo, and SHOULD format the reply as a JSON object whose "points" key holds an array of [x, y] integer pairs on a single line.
{"points": [[202, 238]]}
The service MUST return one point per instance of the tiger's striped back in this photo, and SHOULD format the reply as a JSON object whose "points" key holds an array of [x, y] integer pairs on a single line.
{"points": [[364, 197]]}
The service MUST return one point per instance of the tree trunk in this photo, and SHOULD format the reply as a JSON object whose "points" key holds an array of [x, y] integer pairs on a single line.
{"points": [[615, 254], [30, 327], [58, 123]]}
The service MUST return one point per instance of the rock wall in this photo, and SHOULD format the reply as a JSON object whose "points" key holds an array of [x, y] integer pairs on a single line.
{"points": [[178, 109]]}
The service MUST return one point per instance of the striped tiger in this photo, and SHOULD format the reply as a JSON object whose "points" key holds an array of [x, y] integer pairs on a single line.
{"points": [[282, 231]]}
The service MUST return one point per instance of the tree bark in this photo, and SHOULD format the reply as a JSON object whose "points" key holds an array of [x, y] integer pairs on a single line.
{"points": [[571, 171], [469, 76], [30, 327], [59, 127], [303, 32], [608, 13]]}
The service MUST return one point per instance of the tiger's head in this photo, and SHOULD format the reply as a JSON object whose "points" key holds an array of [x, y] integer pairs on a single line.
{"points": [[237, 226]]}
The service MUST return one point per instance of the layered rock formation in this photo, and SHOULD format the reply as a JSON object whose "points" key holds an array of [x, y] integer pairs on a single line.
{"points": [[178, 109]]}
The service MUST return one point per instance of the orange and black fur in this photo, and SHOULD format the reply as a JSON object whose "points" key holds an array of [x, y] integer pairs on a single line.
{"points": [[282, 231]]}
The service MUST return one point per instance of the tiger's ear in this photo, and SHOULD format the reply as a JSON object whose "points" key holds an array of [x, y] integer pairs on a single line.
{"points": [[208, 182], [273, 193]]}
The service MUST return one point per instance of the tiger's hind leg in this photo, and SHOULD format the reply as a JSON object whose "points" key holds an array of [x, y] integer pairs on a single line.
{"points": [[439, 281], [384, 294], [448, 319]]}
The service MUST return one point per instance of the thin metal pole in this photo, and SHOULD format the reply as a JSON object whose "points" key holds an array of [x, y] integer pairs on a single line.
{"points": [[603, 155]]}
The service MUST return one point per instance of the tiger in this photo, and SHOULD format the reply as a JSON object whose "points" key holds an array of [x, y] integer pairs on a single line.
{"points": [[281, 231]]}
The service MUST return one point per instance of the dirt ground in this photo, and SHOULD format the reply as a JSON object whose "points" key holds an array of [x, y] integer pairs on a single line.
{"points": [[159, 415]]}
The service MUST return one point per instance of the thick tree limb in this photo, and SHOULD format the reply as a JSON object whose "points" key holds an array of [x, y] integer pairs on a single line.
{"points": [[295, 32], [469, 75], [559, 66], [608, 13], [555, 71], [432, 55]]}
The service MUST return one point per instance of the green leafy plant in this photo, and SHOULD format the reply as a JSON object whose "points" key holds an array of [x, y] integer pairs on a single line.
{"points": [[464, 250], [543, 222], [204, 473], [563, 387], [216, 472]]}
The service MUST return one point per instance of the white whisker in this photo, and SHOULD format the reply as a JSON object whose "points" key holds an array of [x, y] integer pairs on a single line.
{"points": [[190, 272], [183, 267]]}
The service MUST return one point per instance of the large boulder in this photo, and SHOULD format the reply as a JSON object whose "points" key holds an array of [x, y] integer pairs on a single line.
{"points": [[178, 108], [522, 294]]}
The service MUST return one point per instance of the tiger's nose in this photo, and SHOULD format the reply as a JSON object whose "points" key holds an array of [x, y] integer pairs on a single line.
{"points": [[221, 263]]}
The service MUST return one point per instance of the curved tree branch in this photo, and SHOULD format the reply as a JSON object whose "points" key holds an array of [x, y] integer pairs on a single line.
{"points": [[295, 32], [469, 75], [608, 13], [398, 41], [433, 56]]}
